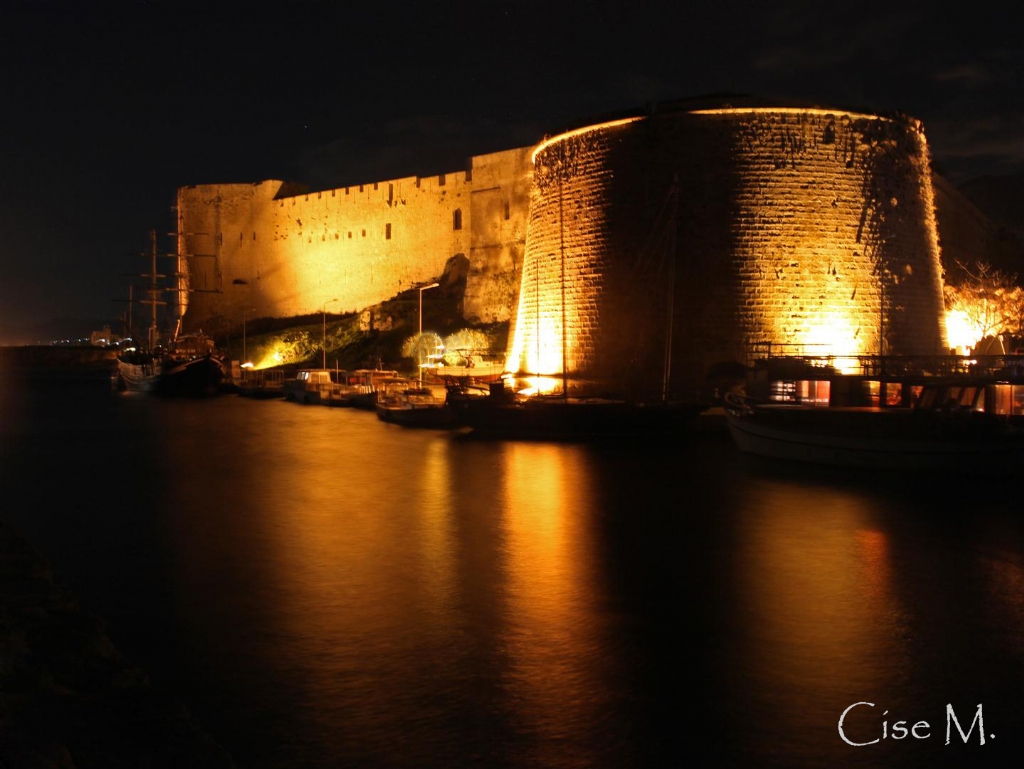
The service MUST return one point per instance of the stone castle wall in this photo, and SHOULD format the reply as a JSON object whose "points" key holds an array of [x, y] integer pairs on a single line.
{"points": [[808, 228], [679, 237], [259, 250]]}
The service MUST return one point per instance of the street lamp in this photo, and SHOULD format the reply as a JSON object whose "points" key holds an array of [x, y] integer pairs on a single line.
{"points": [[422, 289], [323, 344]]}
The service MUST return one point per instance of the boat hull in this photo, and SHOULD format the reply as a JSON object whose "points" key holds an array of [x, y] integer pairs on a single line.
{"points": [[434, 416], [554, 418], [898, 439], [198, 377], [137, 375]]}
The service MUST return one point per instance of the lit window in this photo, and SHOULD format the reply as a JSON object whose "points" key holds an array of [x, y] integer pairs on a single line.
{"points": [[1002, 399], [1018, 400], [967, 396], [871, 392], [893, 393], [783, 391]]}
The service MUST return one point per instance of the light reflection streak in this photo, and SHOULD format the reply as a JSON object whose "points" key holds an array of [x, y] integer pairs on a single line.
{"points": [[550, 629], [824, 621], [436, 569], [373, 569]]}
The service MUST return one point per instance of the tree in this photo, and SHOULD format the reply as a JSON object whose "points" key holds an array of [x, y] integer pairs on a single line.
{"points": [[989, 301]]}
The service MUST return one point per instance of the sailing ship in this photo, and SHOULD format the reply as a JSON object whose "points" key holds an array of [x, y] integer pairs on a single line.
{"points": [[178, 365]]}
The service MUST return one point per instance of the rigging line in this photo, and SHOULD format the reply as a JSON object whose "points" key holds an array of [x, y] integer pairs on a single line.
{"points": [[656, 229], [659, 238]]}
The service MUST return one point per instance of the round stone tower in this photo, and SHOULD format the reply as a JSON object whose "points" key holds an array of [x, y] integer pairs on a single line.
{"points": [[660, 244]]}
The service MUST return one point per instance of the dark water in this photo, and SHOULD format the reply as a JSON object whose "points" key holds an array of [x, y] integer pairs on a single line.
{"points": [[324, 590]]}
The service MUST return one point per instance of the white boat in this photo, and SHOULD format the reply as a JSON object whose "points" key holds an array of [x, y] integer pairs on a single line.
{"points": [[312, 385], [967, 426], [359, 389]]}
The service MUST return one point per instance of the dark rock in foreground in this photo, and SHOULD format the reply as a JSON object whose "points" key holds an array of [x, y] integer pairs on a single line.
{"points": [[68, 698]]}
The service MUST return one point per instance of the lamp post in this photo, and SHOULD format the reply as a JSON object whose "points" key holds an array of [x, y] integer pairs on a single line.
{"points": [[422, 289], [245, 355], [323, 344]]}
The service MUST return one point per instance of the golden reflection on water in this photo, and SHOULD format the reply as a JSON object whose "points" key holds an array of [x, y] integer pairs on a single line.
{"points": [[383, 559], [823, 624], [551, 633], [437, 572], [330, 590]]}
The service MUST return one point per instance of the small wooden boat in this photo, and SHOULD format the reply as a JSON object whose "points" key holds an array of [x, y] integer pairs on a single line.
{"points": [[261, 383], [312, 385], [359, 388], [964, 425], [402, 402]]}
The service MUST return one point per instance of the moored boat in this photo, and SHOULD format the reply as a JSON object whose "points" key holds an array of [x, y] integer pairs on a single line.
{"points": [[359, 388], [174, 364], [965, 425], [505, 414], [403, 402], [312, 385], [261, 383], [137, 371], [192, 377]]}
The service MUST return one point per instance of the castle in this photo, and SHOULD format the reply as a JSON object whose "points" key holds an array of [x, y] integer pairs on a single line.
{"points": [[644, 249]]}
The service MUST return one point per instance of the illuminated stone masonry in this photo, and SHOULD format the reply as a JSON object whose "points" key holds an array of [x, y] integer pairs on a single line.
{"points": [[268, 250], [676, 240], [637, 253]]}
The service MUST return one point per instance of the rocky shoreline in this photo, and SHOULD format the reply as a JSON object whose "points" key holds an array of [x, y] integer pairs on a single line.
{"points": [[68, 698]]}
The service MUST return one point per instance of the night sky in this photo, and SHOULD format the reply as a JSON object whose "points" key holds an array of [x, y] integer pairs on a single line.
{"points": [[109, 107]]}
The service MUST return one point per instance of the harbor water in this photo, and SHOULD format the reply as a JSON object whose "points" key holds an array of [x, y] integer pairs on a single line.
{"points": [[321, 589]]}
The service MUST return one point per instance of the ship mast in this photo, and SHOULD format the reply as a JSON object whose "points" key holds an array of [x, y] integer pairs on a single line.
{"points": [[153, 292], [667, 366]]}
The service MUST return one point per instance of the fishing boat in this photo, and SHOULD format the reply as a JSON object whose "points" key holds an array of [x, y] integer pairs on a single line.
{"points": [[403, 402], [972, 425], [359, 388], [313, 385], [261, 383]]}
